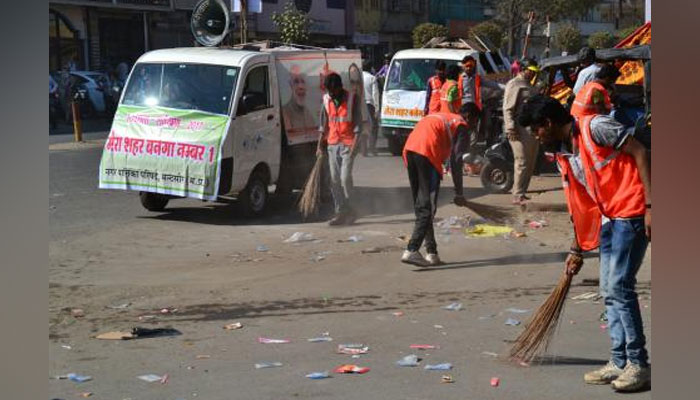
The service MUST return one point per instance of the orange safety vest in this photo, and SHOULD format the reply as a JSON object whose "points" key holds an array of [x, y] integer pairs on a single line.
{"points": [[582, 208], [477, 89], [340, 126], [612, 176], [432, 137], [435, 84], [583, 103], [456, 103]]}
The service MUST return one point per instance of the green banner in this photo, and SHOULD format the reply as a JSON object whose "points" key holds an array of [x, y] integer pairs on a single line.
{"points": [[167, 151]]}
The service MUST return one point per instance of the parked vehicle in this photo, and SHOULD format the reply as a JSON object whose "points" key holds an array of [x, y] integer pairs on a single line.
{"points": [[403, 97], [95, 84], [221, 123]]}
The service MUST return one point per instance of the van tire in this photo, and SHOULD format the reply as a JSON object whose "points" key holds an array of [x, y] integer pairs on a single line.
{"points": [[496, 176], [153, 201], [253, 199], [395, 145]]}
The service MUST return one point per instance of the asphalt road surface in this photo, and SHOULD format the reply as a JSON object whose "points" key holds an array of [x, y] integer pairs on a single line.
{"points": [[122, 265]]}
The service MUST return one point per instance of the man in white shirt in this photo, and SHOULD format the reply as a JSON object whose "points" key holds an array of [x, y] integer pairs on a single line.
{"points": [[372, 100], [591, 68]]}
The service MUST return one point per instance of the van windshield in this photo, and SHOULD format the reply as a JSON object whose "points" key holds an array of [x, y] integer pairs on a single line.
{"points": [[199, 87], [412, 74]]}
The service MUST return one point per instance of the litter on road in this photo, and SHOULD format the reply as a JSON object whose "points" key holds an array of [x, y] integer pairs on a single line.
{"points": [[438, 367], [268, 365], [152, 378], [320, 339], [352, 349], [233, 326], [318, 375], [77, 313], [78, 378], [512, 322], [424, 346], [122, 306], [272, 341], [262, 248], [350, 369], [453, 307], [495, 381], [485, 230], [298, 237], [352, 239], [447, 379], [410, 360], [489, 353], [518, 310]]}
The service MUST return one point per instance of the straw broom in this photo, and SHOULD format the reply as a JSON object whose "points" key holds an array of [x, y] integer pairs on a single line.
{"points": [[538, 333], [310, 200], [496, 214]]}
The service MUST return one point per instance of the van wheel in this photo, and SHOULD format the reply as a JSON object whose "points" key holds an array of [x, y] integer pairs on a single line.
{"points": [[153, 201], [395, 145], [496, 177], [253, 199]]}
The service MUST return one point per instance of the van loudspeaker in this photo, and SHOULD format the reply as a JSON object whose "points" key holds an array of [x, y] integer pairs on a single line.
{"points": [[210, 22]]}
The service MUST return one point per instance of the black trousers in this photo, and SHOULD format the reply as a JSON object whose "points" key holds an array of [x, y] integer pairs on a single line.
{"points": [[425, 185]]}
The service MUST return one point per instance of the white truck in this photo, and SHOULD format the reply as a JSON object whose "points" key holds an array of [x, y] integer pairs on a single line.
{"points": [[218, 123], [403, 97]]}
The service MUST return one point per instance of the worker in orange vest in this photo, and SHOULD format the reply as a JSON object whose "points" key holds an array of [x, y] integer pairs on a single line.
{"points": [[435, 138], [432, 93], [341, 120], [618, 176], [594, 96], [450, 98]]}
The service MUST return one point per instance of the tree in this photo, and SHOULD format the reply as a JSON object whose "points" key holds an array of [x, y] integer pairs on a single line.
{"points": [[568, 38], [424, 32], [490, 30], [513, 14], [601, 40], [292, 24]]}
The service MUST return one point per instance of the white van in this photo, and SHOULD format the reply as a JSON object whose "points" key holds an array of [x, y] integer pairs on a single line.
{"points": [[213, 123], [403, 98]]}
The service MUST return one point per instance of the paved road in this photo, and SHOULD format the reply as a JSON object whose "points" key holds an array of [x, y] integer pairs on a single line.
{"points": [[203, 259]]}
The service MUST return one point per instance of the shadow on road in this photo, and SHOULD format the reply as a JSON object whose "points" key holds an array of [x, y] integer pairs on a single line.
{"points": [[537, 258], [553, 360]]}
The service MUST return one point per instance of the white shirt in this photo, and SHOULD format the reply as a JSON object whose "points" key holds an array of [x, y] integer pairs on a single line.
{"points": [[586, 75], [371, 89]]}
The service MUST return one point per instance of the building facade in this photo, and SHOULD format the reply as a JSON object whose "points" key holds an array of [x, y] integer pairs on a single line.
{"points": [[457, 15]]}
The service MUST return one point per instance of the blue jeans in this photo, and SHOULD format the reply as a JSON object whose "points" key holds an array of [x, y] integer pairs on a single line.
{"points": [[622, 247]]}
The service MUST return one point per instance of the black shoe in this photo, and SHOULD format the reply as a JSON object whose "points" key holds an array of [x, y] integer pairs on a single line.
{"points": [[350, 217], [338, 219]]}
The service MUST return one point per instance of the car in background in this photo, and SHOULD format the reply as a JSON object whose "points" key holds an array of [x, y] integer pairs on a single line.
{"points": [[96, 85]]}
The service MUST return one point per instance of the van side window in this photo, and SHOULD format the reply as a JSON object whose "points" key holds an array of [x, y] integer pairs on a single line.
{"points": [[257, 89], [485, 64]]}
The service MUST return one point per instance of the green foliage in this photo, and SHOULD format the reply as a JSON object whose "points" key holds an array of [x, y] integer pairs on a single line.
{"points": [[424, 32], [601, 40], [292, 24], [489, 30], [624, 32], [568, 38]]}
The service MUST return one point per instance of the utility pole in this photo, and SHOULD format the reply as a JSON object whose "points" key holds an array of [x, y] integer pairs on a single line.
{"points": [[548, 34], [530, 20], [244, 21]]}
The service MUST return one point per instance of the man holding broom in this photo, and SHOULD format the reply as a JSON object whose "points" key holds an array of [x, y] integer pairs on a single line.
{"points": [[618, 177], [434, 139], [341, 119]]}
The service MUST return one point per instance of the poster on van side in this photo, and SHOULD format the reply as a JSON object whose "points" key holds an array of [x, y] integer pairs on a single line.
{"points": [[402, 108], [300, 75], [166, 151]]}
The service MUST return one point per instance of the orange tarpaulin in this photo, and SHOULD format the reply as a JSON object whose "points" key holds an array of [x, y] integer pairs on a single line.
{"points": [[631, 72]]}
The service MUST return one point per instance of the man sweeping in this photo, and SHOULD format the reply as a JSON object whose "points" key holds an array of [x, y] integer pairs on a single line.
{"points": [[341, 120], [617, 175], [434, 139]]}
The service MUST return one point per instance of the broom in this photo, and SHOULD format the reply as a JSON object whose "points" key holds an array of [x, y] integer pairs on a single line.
{"points": [[493, 213], [538, 333], [310, 199]]}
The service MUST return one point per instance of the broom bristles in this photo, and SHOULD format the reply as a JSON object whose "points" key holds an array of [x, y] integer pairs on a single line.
{"points": [[496, 214], [539, 332], [310, 200]]}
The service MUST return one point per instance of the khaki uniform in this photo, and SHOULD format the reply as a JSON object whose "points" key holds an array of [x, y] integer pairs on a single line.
{"points": [[525, 147]]}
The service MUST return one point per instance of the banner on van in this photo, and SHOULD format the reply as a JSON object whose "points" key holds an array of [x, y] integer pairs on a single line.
{"points": [[175, 152], [402, 108]]}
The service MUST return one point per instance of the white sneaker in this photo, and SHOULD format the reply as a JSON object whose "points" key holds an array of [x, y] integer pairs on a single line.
{"points": [[604, 375], [633, 378], [413, 257], [433, 259]]}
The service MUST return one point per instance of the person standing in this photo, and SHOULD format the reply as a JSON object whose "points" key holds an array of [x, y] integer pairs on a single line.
{"points": [[450, 98], [589, 68], [594, 96], [470, 84], [435, 138], [524, 146], [617, 173], [432, 92], [341, 118], [371, 90]]}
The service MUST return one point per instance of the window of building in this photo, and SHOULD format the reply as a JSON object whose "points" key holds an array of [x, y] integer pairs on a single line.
{"points": [[65, 45], [338, 4]]}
